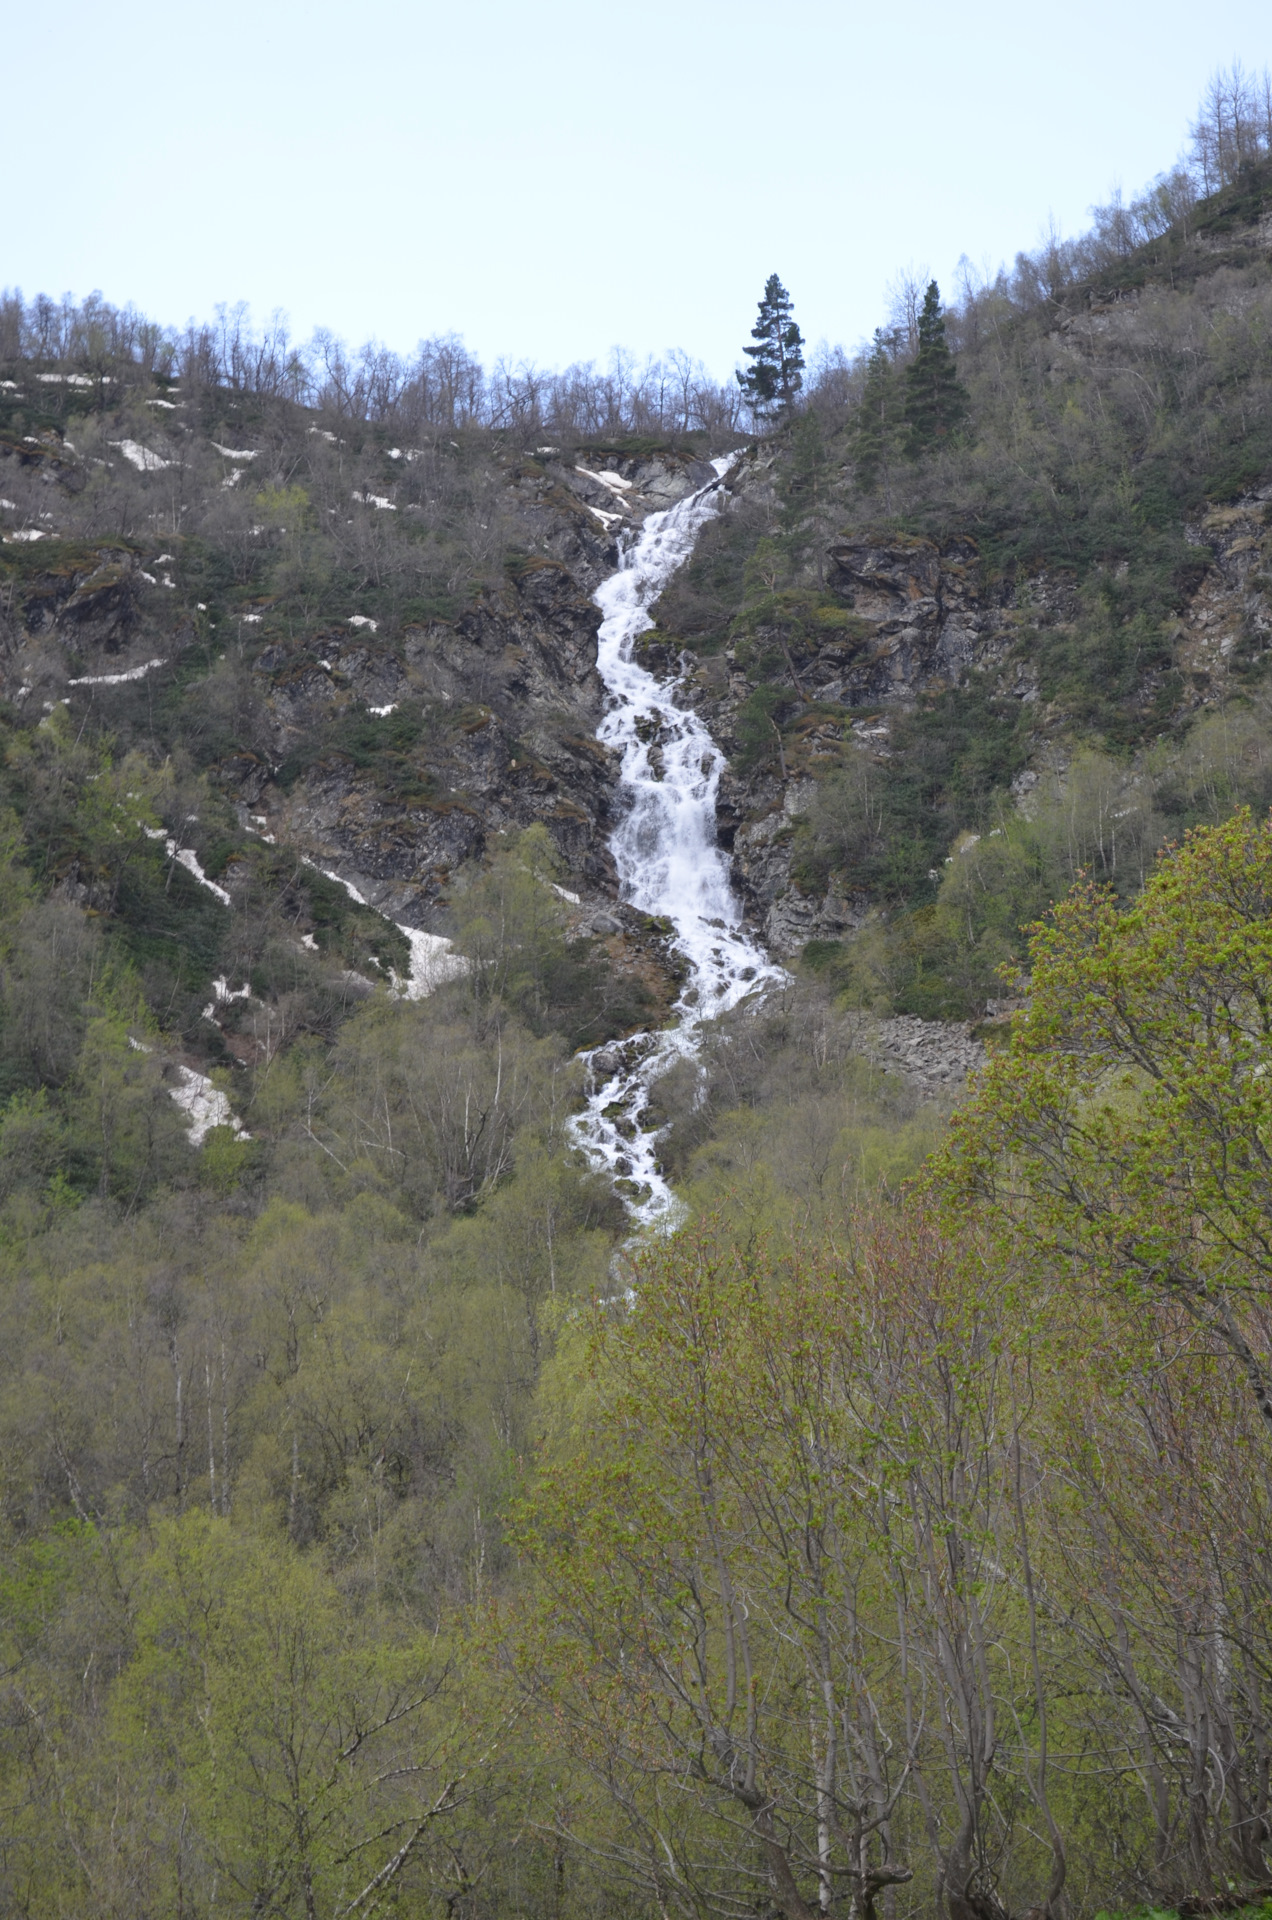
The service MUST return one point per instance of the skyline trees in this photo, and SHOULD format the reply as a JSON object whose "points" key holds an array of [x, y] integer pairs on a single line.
{"points": [[935, 401], [772, 383], [909, 405], [444, 386], [880, 420]]}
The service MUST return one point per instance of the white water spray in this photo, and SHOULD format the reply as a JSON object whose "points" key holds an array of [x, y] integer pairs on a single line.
{"points": [[668, 862]]}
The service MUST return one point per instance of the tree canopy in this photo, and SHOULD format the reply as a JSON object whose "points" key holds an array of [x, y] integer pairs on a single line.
{"points": [[879, 419], [773, 380], [1127, 1125], [935, 401]]}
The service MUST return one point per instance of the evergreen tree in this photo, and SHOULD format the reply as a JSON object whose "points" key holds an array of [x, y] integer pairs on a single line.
{"points": [[879, 420], [935, 401], [776, 373]]}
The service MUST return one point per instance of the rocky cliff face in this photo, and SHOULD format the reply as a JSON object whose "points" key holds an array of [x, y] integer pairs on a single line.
{"points": [[918, 621], [393, 752]]}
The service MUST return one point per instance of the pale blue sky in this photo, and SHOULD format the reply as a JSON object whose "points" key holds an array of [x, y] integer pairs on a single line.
{"points": [[552, 179]]}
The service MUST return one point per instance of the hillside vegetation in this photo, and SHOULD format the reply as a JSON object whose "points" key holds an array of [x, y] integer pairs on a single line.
{"points": [[381, 1530]]}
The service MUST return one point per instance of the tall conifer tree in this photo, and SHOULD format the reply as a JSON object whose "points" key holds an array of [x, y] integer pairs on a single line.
{"points": [[935, 400], [879, 420], [776, 374]]}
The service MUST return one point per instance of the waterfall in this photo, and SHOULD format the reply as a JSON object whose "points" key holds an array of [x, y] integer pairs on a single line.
{"points": [[668, 862]]}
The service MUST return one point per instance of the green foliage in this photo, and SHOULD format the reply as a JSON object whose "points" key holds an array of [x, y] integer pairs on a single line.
{"points": [[782, 1124], [935, 402], [122, 1125], [546, 1232], [884, 825], [942, 958], [513, 929], [771, 384], [1125, 1126], [709, 589], [809, 470], [223, 1160], [392, 747], [758, 733], [266, 1406], [796, 1491], [1097, 665], [261, 1738], [345, 928], [877, 436]]}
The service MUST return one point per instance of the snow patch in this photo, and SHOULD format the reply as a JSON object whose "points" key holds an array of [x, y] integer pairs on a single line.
{"points": [[382, 713], [206, 1105], [375, 500], [194, 1093], [236, 453], [223, 995], [186, 857], [433, 959], [433, 962], [26, 533], [362, 620], [608, 478], [114, 679], [143, 458]]}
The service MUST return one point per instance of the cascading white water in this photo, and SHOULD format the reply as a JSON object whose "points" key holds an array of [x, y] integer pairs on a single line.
{"points": [[668, 862]]}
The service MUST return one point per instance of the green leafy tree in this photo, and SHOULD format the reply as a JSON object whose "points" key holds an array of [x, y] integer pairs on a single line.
{"points": [[263, 1749], [879, 427], [124, 1128], [772, 1554], [935, 401], [1128, 1125], [758, 732], [772, 382]]}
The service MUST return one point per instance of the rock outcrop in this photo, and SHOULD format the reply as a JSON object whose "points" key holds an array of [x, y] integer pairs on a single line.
{"points": [[935, 1056], [497, 707]]}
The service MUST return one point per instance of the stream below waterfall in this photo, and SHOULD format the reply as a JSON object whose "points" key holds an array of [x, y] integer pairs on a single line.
{"points": [[668, 862]]}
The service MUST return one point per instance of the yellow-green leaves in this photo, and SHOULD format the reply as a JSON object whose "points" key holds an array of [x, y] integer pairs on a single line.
{"points": [[1127, 1125]]}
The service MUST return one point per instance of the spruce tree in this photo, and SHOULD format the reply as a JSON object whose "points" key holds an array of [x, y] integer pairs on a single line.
{"points": [[935, 401], [776, 373], [879, 419]]}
